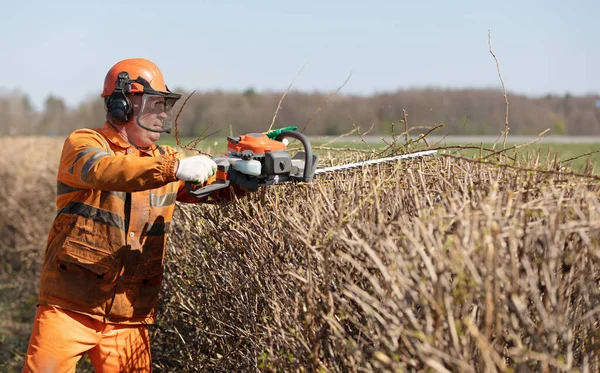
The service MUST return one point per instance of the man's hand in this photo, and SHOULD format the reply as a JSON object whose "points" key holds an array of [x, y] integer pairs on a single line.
{"points": [[197, 169]]}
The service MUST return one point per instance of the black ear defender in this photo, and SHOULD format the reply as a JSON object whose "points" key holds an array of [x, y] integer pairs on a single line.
{"points": [[118, 104]]}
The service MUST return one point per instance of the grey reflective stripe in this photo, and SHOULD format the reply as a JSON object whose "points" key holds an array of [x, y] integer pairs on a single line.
{"points": [[91, 162], [162, 200], [82, 154], [62, 188], [120, 195], [162, 150], [108, 149], [157, 229], [97, 215]]}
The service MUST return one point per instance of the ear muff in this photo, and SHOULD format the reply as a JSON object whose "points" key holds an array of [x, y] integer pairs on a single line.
{"points": [[118, 104]]}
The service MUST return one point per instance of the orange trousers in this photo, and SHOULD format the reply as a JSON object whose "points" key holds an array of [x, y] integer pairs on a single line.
{"points": [[60, 337]]}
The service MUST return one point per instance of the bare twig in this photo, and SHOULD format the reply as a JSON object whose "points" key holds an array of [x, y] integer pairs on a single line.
{"points": [[283, 96], [506, 128], [362, 135], [192, 144], [515, 147], [405, 120], [580, 156], [340, 136], [391, 146], [535, 170], [175, 124], [325, 102]]}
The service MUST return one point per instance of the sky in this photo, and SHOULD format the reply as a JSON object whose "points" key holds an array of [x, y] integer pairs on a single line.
{"points": [[65, 48]]}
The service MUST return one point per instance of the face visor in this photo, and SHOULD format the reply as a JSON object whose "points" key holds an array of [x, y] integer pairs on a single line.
{"points": [[156, 111]]}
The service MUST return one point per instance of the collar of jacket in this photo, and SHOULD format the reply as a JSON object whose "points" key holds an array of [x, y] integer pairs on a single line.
{"points": [[116, 138]]}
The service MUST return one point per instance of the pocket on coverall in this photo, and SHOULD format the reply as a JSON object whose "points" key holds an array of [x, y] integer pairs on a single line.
{"points": [[147, 298], [87, 272]]}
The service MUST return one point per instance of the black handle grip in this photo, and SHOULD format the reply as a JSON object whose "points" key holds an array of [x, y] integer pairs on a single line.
{"points": [[308, 153], [207, 190]]}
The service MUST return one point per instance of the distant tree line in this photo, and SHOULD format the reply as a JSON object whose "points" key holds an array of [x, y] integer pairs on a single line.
{"points": [[466, 111]]}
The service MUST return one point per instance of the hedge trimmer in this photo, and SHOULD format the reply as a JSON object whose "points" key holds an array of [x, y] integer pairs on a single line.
{"points": [[260, 159]]}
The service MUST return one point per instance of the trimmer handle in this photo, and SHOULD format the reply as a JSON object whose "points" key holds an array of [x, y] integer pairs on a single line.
{"points": [[216, 182], [207, 190], [309, 166]]}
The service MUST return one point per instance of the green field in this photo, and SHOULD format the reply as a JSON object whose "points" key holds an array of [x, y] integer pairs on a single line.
{"points": [[575, 156]]}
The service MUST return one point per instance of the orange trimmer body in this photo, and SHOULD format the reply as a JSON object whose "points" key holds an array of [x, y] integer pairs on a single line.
{"points": [[258, 143]]}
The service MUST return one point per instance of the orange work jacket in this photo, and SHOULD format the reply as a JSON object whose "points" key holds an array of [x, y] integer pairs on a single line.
{"points": [[105, 249]]}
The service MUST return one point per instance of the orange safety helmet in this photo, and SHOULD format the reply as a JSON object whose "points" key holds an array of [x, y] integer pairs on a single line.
{"points": [[139, 76], [136, 67]]}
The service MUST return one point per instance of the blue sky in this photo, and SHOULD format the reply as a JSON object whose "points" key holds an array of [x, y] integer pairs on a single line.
{"points": [[65, 48]]}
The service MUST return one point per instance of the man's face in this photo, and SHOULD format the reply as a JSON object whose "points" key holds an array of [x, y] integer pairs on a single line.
{"points": [[154, 118], [153, 115]]}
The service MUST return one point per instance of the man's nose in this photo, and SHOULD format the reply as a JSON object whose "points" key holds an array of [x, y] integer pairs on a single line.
{"points": [[162, 115]]}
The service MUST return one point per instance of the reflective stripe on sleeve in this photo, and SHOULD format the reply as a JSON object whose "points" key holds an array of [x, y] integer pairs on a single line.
{"points": [[90, 163], [82, 154]]}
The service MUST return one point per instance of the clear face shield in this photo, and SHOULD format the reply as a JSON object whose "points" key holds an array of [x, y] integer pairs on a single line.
{"points": [[156, 112]]}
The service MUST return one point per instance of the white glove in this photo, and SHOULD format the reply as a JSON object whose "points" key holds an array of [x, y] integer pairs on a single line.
{"points": [[197, 168]]}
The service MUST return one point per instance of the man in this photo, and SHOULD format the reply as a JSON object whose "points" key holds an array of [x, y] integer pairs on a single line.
{"points": [[103, 265]]}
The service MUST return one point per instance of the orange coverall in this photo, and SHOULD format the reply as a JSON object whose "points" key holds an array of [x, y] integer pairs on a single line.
{"points": [[103, 264]]}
